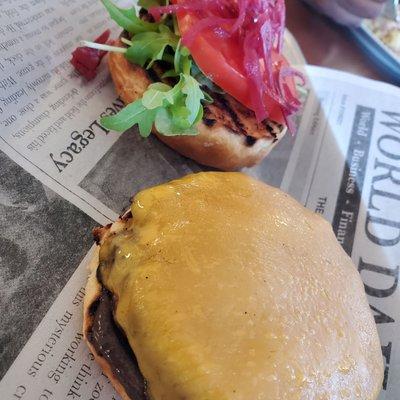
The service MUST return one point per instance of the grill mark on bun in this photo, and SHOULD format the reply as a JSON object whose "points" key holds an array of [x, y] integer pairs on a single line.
{"points": [[223, 104], [210, 122], [267, 125], [250, 141]]}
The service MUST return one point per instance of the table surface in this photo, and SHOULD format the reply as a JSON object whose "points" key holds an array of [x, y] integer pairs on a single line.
{"points": [[327, 44]]}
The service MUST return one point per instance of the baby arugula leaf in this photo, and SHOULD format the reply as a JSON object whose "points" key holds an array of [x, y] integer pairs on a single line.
{"points": [[166, 124], [194, 95], [127, 19], [155, 95], [182, 62], [148, 47], [134, 113], [173, 110]]}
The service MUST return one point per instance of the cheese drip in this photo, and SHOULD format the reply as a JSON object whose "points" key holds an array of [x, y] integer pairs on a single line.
{"points": [[229, 289]]}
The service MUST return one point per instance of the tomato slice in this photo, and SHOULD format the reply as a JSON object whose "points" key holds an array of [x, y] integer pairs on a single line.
{"points": [[221, 59]]}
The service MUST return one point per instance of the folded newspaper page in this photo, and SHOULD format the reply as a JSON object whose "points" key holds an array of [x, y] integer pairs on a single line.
{"points": [[63, 174]]}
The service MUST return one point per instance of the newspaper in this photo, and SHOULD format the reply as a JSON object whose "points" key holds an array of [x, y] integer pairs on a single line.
{"points": [[65, 173]]}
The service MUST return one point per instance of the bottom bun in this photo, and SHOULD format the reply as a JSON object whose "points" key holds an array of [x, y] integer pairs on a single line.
{"points": [[220, 148], [229, 136]]}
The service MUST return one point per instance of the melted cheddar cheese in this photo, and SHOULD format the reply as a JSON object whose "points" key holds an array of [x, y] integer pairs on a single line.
{"points": [[229, 289]]}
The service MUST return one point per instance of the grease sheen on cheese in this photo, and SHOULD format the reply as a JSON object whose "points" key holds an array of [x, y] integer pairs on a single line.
{"points": [[229, 289]]}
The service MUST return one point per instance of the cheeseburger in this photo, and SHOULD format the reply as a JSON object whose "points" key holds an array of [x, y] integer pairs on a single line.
{"points": [[217, 286], [207, 77]]}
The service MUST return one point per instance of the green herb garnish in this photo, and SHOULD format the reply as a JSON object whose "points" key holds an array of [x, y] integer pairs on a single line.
{"points": [[174, 109], [127, 19], [147, 47]]}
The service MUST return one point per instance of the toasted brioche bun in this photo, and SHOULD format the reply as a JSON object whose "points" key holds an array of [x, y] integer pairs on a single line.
{"points": [[218, 145], [323, 304]]}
